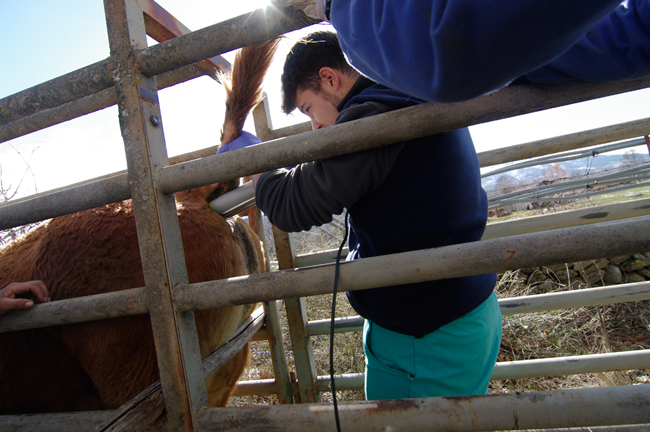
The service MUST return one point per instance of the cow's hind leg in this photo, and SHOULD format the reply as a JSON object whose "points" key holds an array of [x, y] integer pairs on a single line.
{"points": [[221, 383]]}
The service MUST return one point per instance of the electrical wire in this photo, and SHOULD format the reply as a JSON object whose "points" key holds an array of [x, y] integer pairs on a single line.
{"points": [[336, 283]]}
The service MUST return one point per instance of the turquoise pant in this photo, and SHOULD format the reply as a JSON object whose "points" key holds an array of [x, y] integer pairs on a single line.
{"points": [[455, 360]]}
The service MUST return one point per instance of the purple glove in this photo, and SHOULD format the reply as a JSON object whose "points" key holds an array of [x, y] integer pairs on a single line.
{"points": [[244, 140]]}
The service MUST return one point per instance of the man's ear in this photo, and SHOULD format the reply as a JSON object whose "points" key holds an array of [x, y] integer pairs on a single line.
{"points": [[329, 78]]}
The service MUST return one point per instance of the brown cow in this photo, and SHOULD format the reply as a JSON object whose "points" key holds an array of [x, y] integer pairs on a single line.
{"points": [[102, 364]]}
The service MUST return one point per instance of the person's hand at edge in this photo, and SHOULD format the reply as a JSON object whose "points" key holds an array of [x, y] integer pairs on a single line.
{"points": [[8, 300]]}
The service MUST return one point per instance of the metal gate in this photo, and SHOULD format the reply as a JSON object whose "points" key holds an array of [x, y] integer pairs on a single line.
{"points": [[128, 77]]}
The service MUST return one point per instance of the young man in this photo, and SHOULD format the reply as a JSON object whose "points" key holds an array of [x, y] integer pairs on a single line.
{"points": [[437, 338]]}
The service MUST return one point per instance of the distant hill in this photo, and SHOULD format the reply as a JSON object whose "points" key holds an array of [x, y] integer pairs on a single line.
{"points": [[601, 162]]}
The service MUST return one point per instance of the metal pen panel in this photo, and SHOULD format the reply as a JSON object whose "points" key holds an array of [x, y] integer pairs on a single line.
{"points": [[161, 250]]}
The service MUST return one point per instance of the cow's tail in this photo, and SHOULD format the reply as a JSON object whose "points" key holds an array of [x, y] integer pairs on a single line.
{"points": [[244, 85]]}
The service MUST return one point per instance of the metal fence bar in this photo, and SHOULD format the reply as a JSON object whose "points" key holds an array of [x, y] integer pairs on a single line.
{"points": [[566, 219], [378, 130], [558, 366], [496, 255], [78, 309], [219, 38], [565, 408], [282, 381], [523, 304], [332, 141], [303, 352], [87, 105], [159, 237], [122, 303], [593, 363], [563, 143], [566, 156], [154, 16]]}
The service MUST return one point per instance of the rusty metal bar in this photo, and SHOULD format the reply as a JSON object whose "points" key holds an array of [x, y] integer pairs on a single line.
{"points": [[225, 36], [618, 132], [159, 238], [327, 142], [378, 130], [565, 408], [497, 255]]}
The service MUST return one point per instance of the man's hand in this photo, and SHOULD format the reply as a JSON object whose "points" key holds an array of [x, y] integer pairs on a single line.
{"points": [[244, 140], [8, 300], [312, 8]]}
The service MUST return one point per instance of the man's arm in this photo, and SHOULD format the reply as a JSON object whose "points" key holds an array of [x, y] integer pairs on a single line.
{"points": [[455, 50], [310, 193], [616, 49]]}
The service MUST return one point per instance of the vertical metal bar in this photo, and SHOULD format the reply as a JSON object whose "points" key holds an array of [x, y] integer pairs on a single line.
{"points": [[278, 356], [303, 352], [263, 128], [163, 262]]}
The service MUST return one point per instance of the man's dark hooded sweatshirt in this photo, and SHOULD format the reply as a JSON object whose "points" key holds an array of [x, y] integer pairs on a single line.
{"points": [[418, 194]]}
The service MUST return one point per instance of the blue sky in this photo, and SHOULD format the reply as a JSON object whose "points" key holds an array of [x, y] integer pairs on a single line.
{"points": [[42, 39]]}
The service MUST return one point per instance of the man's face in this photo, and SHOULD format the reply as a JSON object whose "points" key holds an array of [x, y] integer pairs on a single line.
{"points": [[320, 107]]}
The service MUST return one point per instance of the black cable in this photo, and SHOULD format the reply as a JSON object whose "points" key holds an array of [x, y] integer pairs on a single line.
{"points": [[336, 283]]}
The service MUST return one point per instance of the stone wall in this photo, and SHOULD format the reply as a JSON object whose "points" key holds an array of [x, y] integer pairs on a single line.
{"points": [[583, 274]]}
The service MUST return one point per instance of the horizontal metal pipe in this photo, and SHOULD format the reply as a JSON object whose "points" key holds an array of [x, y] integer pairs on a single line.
{"points": [[58, 91], [522, 304], [377, 130], [58, 422], [225, 36], [569, 155], [268, 386], [335, 140], [65, 200], [590, 193], [318, 280], [565, 219], [562, 143], [594, 363], [571, 218], [79, 309], [531, 410], [558, 366], [497, 255], [86, 105], [247, 29]]}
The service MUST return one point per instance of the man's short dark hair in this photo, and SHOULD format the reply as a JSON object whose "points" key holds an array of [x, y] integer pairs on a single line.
{"points": [[305, 60]]}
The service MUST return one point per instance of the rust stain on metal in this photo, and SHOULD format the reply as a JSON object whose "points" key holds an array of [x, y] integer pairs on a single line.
{"points": [[394, 405], [512, 254]]}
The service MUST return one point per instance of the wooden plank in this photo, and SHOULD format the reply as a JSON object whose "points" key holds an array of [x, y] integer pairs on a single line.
{"points": [[146, 410]]}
